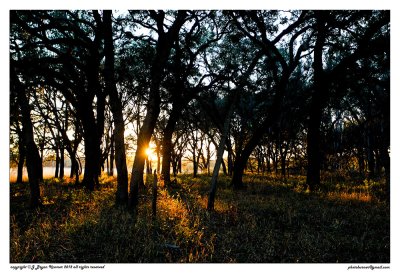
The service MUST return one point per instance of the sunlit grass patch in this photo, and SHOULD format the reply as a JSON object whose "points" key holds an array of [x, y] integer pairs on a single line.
{"points": [[353, 196], [172, 207]]}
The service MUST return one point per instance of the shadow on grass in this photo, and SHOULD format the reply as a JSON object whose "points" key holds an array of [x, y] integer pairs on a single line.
{"points": [[267, 223]]}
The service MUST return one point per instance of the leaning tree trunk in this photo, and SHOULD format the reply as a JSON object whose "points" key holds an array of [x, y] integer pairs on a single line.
{"points": [[220, 153], [144, 136]]}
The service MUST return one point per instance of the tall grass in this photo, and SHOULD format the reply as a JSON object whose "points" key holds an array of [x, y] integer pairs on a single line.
{"points": [[270, 222]]}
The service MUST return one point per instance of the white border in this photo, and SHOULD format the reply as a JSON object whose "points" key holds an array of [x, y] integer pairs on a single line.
{"points": [[204, 4]]}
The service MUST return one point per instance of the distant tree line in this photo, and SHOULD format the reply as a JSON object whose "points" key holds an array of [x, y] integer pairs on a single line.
{"points": [[288, 92]]}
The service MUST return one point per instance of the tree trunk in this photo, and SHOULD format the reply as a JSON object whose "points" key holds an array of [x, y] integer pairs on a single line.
{"points": [[33, 160], [100, 109], [283, 164], [154, 200], [174, 162], [230, 157], [144, 137], [21, 159], [370, 156], [92, 148], [148, 165], [238, 171], [163, 49], [108, 165], [63, 143], [158, 161], [112, 156], [220, 153], [116, 108], [224, 170], [167, 149], [73, 166], [57, 163], [142, 144], [179, 164], [194, 164], [77, 171], [61, 160], [313, 134]]}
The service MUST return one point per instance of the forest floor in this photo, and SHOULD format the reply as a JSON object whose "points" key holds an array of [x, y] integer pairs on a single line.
{"points": [[269, 222]]}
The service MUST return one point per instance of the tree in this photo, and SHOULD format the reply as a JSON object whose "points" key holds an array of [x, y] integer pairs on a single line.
{"points": [[163, 48], [33, 161], [116, 107], [328, 23], [255, 25], [69, 61]]}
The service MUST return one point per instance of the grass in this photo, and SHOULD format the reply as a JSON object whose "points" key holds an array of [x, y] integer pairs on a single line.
{"points": [[269, 222]]}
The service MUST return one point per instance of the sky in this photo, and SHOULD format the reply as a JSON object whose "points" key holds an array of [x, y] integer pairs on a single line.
{"points": [[204, 4]]}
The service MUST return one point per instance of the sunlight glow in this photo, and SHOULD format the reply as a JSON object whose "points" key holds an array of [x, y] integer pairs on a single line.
{"points": [[150, 153]]}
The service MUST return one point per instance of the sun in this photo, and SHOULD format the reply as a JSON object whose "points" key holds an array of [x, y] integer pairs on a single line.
{"points": [[149, 153]]}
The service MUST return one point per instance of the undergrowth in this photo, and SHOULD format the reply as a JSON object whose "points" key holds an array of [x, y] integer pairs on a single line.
{"points": [[269, 222]]}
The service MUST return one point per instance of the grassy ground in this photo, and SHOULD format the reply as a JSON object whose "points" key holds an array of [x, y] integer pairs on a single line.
{"points": [[269, 222]]}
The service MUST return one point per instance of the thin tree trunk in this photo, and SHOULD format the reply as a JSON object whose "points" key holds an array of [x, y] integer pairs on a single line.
{"points": [[220, 153], [370, 156], [63, 143], [57, 163], [21, 159], [154, 200], [111, 170], [224, 167], [179, 164], [167, 141], [167, 153], [158, 159], [61, 160]]}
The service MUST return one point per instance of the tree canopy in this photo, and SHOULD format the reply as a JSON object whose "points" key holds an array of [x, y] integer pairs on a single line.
{"points": [[291, 92]]}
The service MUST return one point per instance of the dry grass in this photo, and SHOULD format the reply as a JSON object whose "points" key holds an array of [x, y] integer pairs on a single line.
{"points": [[270, 222]]}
